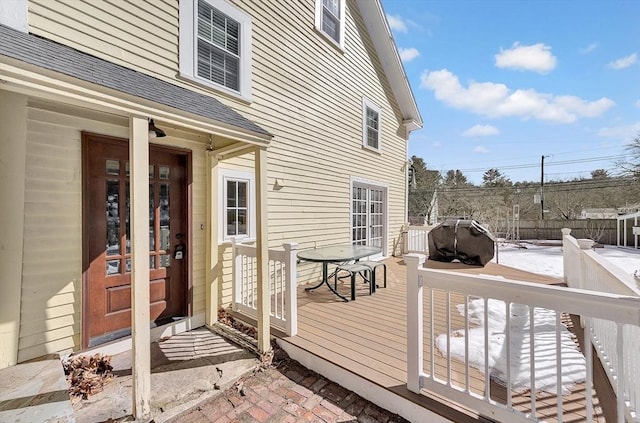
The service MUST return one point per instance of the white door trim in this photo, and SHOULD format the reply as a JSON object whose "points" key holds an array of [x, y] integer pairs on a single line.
{"points": [[369, 183]]}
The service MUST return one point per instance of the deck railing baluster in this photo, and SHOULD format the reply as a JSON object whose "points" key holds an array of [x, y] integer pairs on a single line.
{"points": [[282, 282], [559, 365], [589, 364], [532, 358], [467, 380], [507, 328]]}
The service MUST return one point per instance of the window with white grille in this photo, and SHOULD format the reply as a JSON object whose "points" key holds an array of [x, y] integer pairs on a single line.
{"points": [[330, 20], [371, 125], [236, 205], [215, 45]]}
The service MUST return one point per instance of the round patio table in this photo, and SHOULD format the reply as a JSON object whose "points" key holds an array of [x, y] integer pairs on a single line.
{"points": [[335, 254]]}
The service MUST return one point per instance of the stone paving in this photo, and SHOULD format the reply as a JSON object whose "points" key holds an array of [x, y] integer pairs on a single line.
{"points": [[287, 392]]}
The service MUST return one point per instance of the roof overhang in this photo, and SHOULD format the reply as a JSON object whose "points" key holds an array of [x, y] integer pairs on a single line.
{"points": [[382, 38], [83, 80]]}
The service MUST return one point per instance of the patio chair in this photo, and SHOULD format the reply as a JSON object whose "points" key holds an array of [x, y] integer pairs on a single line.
{"points": [[374, 265], [354, 269]]}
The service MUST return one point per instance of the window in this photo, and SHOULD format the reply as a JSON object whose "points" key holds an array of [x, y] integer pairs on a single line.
{"points": [[371, 125], [330, 19], [215, 45], [237, 205], [237, 208]]}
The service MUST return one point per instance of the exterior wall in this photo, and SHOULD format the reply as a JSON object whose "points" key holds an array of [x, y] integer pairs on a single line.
{"points": [[305, 91], [52, 259]]}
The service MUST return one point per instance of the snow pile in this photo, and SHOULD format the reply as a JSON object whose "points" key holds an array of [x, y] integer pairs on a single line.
{"points": [[572, 362]]}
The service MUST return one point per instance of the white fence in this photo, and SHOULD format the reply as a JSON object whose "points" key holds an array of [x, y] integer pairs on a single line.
{"points": [[282, 284], [586, 269], [520, 304], [416, 239]]}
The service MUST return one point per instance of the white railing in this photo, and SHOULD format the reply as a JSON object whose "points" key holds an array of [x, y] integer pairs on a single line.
{"points": [[282, 284], [532, 331], [417, 239], [587, 269]]}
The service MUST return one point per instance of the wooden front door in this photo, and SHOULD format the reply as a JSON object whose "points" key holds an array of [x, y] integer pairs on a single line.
{"points": [[107, 255]]}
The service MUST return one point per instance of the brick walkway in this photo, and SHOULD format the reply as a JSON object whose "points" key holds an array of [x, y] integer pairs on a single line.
{"points": [[288, 393]]}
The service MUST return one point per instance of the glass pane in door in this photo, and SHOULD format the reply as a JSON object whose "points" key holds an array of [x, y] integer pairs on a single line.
{"points": [[359, 216], [376, 217], [113, 218], [165, 230]]}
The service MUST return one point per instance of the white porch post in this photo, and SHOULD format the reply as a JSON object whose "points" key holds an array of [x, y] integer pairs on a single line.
{"points": [[140, 315], [211, 271], [290, 249], [415, 322], [262, 251], [13, 151]]}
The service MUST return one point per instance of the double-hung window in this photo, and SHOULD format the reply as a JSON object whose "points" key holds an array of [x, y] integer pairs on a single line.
{"points": [[237, 205], [371, 125], [330, 20], [215, 45]]}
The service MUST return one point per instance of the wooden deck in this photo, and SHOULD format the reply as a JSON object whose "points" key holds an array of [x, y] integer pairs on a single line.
{"points": [[367, 337]]}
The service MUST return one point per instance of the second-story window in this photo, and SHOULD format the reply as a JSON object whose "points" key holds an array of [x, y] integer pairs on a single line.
{"points": [[215, 45], [371, 125], [330, 19], [218, 47]]}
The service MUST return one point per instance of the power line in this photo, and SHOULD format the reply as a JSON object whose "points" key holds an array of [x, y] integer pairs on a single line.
{"points": [[537, 165], [587, 184], [453, 165]]}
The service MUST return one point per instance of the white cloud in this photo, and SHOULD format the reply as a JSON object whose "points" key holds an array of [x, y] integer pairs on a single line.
{"points": [[436, 144], [408, 54], [623, 62], [536, 58], [397, 23], [638, 103], [480, 150], [626, 132], [481, 131], [497, 100], [588, 49]]}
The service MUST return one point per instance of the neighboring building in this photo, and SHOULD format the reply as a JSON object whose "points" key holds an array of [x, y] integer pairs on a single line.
{"points": [[632, 208], [285, 121], [607, 213]]}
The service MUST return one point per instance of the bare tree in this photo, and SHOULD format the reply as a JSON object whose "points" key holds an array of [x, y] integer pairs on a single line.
{"points": [[631, 164], [595, 229], [421, 195]]}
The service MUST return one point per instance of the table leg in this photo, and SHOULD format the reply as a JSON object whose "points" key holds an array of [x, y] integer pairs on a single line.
{"points": [[325, 280]]}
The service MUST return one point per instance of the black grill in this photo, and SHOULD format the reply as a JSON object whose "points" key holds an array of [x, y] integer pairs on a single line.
{"points": [[463, 240]]}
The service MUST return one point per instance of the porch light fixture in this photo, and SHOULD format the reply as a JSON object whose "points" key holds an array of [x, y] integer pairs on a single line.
{"points": [[155, 132]]}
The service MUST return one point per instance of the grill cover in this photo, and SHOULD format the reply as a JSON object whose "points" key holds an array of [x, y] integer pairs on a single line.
{"points": [[464, 240]]}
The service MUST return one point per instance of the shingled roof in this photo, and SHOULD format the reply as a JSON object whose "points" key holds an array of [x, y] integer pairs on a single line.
{"points": [[56, 57]]}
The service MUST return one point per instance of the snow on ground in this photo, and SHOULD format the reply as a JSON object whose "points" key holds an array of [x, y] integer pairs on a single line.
{"points": [[542, 259], [547, 260], [544, 341]]}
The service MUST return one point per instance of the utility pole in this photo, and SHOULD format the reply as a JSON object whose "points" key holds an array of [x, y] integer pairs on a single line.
{"points": [[542, 189]]}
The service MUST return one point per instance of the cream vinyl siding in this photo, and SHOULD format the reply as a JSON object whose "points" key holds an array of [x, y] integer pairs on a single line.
{"points": [[305, 91], [51, 308]]}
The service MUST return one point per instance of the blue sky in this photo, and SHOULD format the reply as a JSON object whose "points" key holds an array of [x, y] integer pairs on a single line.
{"points": [[500, 83]]}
